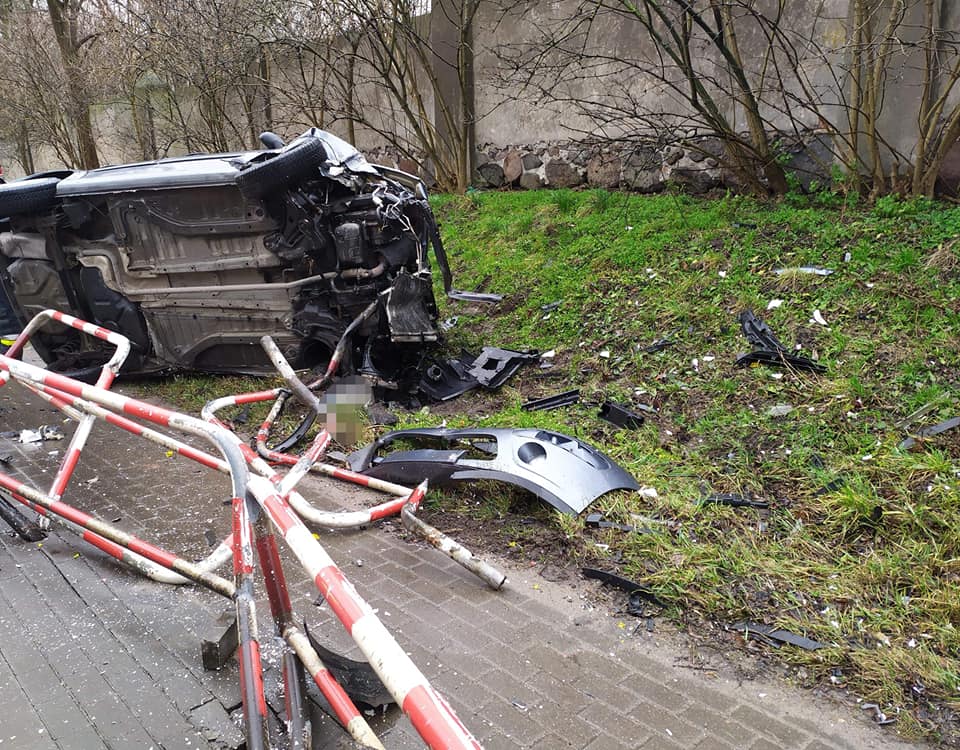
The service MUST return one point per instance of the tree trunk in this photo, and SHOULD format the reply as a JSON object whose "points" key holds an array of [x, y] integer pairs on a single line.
{"points": [[65, 31]]}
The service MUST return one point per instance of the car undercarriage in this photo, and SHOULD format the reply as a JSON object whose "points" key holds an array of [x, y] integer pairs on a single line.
{"points": [[195, 258]]}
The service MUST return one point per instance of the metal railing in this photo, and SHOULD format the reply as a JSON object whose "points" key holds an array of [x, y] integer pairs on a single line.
{"points": [[264, 503]]}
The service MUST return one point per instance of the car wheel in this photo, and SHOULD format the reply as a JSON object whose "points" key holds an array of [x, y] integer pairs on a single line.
{"points": [[276, 173], [27, 196]]}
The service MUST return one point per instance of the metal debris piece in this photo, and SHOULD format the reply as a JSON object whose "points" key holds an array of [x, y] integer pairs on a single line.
{"points": [[357, 678], [474, 296], [774, 636], [495, 366], [658, 346], [596, 521], [903, 424], [832, 486], [553, 402], [767, 348], [733, 500], [637, 591], [779, 410], [620, 415], [927, 432], [44, 432]]}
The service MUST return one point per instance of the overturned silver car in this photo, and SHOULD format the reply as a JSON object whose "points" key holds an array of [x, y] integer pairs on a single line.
{"points": [[195, 258]]}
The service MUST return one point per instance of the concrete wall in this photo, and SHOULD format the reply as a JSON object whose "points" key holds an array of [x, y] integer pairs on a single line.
{"points": [[512, 117]]}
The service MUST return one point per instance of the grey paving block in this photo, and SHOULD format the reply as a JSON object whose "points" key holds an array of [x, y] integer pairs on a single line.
{"points": [[215, 724], [669, 697], [784, 734], [667, 725]]}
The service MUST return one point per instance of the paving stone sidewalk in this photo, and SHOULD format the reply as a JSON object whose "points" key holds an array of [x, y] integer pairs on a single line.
{"points": [[92, 656]]}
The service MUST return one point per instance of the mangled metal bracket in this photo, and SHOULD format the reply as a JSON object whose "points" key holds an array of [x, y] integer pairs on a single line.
{"points": [[562, 470]]}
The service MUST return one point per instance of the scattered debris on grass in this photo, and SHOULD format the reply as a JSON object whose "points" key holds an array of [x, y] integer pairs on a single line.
{"points": [[928, 432], [812, 270], [878, 715], [767, 348], [597, 521], [552, 402], [638, 592], [775, 637], [494, 366], [620, 415], [734, 501]]}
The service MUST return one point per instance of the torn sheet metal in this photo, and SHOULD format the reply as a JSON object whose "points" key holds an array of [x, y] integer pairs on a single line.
{"points": [[562, 470]]}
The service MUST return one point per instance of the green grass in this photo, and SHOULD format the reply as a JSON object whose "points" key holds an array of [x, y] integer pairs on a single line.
{"points": [[871, 568]]}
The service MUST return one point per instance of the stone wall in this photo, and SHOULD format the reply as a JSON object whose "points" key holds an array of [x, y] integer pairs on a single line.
{"points": [[695, 167]]}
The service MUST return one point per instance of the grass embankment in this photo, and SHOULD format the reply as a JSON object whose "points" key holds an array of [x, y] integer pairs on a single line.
{"points": [[871, 565]]}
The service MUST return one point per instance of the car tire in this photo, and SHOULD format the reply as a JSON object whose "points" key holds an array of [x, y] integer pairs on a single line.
{"points": [[276, 173], [27, 196]]}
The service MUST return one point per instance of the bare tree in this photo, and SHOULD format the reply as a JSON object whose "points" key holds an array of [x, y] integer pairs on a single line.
{"points": [[197, 70], [689, 75], [66, 21], [389, 71], [42, 107]]}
